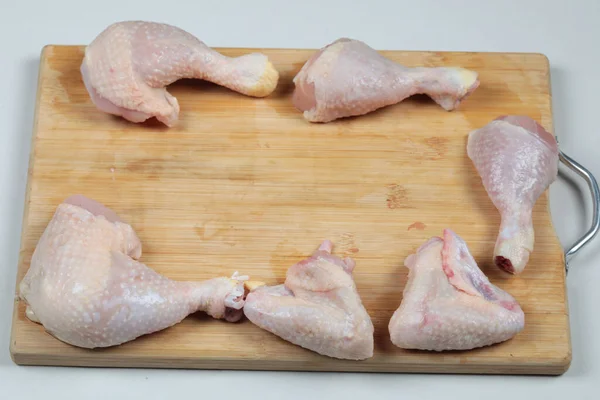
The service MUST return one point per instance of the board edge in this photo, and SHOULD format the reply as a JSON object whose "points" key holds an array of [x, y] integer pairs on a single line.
{"points": [[553, 367], [14, 347], [382, 49], [566, 361]]}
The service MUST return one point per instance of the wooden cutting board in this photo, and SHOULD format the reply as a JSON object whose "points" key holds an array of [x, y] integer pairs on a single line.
{"points": [[244, 184]]}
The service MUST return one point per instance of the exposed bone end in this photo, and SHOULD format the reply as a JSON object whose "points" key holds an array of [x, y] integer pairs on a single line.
{"points": [[267, 83], [251, 286]]}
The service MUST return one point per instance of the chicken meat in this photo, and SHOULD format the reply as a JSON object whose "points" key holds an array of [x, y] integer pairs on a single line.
{"points": [[449, 304], [349, 78], [87, 288], [127, 66], [517, 160], [318, 308]]}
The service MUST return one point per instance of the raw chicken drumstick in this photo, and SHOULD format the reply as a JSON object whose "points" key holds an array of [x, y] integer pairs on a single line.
{"points": [[517, 160], [127, 67], [449, 304], [86, 287], [349, 78], [318, 308]]}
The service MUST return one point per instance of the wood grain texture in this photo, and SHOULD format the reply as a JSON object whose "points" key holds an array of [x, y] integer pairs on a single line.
{"points": [[246, 184]]}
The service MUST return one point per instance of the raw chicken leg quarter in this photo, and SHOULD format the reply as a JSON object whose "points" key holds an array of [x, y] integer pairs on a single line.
{"points": [[348, 78], [449, 304], [517, 160], [87, 288], [127, 67]]}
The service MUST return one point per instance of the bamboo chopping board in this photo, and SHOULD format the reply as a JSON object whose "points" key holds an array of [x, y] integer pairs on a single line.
{"points": [[244, 184]]}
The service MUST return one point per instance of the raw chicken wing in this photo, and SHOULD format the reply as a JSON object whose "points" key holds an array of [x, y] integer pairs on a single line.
{"points": [[517, 160], [87, 288], [449, 304], [127, 67], [349, 78], [318, 308]]}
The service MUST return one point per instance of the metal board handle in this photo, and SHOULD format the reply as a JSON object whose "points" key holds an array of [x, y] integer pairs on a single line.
{"points": [[595, 192]]}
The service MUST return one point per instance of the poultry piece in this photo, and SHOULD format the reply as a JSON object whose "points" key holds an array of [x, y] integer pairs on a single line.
{"points": [[87, 288], [449, 304], [126, 69], [349, 78], [318, 308], [517, 160]]}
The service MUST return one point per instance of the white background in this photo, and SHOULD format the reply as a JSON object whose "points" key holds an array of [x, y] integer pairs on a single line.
{"points": [[566, 31]]}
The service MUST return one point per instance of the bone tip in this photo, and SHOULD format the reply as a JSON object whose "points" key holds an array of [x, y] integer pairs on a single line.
{"points": [[251, 286], [326, 245], [511, 256], [470, 79], [267, 82], [504, 264]]}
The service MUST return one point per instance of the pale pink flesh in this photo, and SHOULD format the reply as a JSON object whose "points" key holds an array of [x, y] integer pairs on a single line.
{"points": [[449, 304], [517, 160], [92, 206], [318, 308], [110, 108], [348, 78], [86, 287], [126, 68]]}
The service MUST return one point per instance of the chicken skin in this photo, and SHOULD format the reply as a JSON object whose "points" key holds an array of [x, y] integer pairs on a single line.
{"points": [[87, 288], [318, 308], [449, 304], [349, 78], [517, 160], [128, 65]]}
